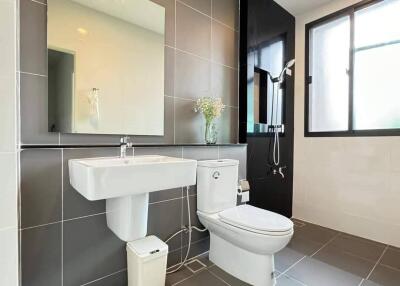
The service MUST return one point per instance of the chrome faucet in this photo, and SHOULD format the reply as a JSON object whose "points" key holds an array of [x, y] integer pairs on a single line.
{"points": [[125, 144]]}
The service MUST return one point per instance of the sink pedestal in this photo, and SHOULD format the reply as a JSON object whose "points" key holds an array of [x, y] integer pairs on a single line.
{"points": [[127, 216]]}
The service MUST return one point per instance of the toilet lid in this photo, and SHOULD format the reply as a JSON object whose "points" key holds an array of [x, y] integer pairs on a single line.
{"points": [[256, 219]]}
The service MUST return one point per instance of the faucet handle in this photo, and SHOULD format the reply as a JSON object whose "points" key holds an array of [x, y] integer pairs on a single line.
{"points": [[125, 139]]}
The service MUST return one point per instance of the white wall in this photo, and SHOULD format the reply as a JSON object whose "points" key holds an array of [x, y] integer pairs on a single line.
{"points": [[350, 184], [8, 145]]}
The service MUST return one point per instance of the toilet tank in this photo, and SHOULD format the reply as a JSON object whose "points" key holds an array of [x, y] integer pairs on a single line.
{"points": [[217, 183]]}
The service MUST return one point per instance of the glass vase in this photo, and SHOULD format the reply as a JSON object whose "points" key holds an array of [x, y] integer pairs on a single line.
{"points": [[211, 133]]}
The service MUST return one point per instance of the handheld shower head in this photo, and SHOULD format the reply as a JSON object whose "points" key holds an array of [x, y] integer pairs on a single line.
{"points": [[286, 70]]}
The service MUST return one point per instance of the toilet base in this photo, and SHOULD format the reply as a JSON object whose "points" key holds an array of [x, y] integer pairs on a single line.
{"points": [[249, 267]]}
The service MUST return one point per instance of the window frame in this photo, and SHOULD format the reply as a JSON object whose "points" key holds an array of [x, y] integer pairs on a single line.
{"points": [[349, 11]]}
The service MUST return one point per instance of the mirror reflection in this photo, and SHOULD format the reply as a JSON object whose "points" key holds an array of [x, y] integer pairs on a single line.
{"points": [[106, 67]]}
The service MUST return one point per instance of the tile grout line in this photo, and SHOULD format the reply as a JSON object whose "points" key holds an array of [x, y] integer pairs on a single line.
{"points": [[101, 278], [291, 266], [62, 217], [323, 246], [208, 16], [377, 262], [219, 278]]}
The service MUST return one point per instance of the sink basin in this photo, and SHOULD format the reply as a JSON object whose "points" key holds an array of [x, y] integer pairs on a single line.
{"points": [[104, 178], [125, 183]]}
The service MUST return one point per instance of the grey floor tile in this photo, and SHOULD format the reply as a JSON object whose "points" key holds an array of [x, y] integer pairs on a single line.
{"points": [[303, 246], [370, 283], [391, 258], [346, 261], [315, 233], [116, 279], [285, 280], [286, 258], [164, 219], [359, 246], [205, 260], [75, 205], [178, 276], [41, 256], [91, 250], [316, 273], [41, 191], [385, 276], [231, 280], [203, 278]]}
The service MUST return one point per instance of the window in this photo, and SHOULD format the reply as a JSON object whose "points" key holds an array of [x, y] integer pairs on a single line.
{"points": [[352, 69]]}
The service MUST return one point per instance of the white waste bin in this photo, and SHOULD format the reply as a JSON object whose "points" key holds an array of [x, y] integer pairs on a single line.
{"points": [[147, 261]]}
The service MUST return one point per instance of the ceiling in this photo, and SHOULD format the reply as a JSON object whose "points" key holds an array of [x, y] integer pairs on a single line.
{"points": [[298, 7], [143, 13]]}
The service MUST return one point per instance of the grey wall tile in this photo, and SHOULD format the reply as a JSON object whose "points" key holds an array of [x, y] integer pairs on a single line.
{"points": [[193, 31], [189, 125], [196, 236], [169, 6], [117, 279], [200, 153], [164, 219], [227, 12], [41, 192], [165, 195], [174, 257], [192, 79], [203, 6], [91, 250], [238, 153], [33, 39], [228, 126], [171, 151], [41, 256], [391, 258], [75, 205], [225, 84], [224, 45], [33, 102], [197, 248], [169, 71], [89, 139]]}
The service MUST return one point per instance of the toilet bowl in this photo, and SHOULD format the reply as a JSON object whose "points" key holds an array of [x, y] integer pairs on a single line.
{"points": [[243, 239]]}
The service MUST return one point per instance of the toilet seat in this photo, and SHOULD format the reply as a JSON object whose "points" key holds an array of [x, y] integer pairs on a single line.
{"points": [[257, 220]]}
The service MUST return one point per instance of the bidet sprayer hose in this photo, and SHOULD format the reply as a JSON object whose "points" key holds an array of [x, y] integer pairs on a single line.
{"points": [[188, 229]]}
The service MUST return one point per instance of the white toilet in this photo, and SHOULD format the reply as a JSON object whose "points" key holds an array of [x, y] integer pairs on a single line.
{"points": [[243, 239]]}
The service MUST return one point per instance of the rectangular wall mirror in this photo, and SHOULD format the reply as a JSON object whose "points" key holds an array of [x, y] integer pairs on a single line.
{"points": [[106, 67]]}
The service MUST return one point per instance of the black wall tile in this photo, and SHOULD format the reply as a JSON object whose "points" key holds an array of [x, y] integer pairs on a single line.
{"points": [[41, 191], [91, 250], [41, 256]]}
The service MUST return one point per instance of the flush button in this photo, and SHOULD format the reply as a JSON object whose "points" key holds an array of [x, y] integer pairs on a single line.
{"points": [[216, 175]]}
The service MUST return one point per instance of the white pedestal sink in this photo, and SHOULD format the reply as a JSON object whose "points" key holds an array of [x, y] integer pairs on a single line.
{"points": [[125, 183]]}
